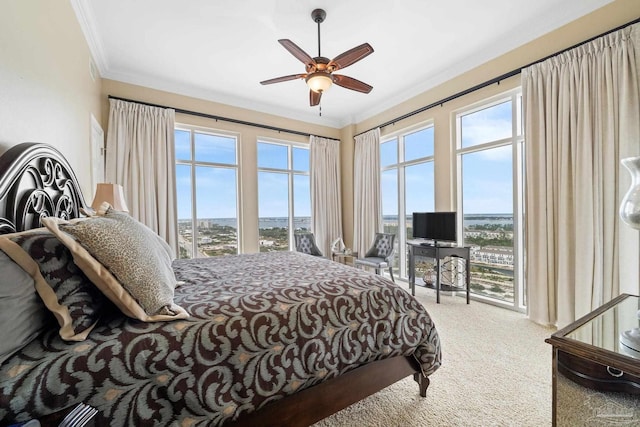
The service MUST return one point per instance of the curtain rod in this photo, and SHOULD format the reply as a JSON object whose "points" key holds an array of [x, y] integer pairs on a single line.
{"points": [[494, 80], [221, 118]]}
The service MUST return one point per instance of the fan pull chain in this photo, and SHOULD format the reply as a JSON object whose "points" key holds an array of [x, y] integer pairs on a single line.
{"points": [[320, 109]]}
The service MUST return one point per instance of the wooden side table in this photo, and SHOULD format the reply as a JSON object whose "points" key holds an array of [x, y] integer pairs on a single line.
{"points": [[342, 257], [595, 379]]}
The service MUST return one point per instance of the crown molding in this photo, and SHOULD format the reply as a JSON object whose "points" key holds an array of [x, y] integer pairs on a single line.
{"points": [[84, 15]]}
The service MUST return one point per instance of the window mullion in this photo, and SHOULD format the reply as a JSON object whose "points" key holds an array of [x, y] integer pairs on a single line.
{"points": [[518, 208], [291, 213], [401, 186], [194, 212], [291, 201]]}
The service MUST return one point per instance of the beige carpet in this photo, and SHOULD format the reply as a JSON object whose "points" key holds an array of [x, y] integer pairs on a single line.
{"points": [[496, 371]]}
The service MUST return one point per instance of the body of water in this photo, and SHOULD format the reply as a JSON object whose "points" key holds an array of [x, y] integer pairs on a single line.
{"points": [[305, 222], [269, 222], [478, 219], [470, 219]]}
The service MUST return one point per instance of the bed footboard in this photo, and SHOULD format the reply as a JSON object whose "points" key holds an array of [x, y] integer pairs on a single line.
{"points": [[315, 403]]}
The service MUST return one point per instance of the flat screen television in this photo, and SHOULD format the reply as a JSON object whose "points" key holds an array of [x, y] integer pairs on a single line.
{"points": [[436, 226]]}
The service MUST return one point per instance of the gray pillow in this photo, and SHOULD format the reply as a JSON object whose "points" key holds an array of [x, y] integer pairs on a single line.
{"points": [[126, 260], [22, 314]]}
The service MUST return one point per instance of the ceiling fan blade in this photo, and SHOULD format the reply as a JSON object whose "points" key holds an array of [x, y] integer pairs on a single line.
{"points": [[283, 79], [297, 52], [351, 56], [351, 83], [314, 98]]}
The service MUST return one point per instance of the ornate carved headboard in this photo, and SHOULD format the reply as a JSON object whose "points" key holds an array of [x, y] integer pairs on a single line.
{"points": [[36, 181]]}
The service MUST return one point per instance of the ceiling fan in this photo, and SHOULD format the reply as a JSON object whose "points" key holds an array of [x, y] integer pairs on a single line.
{"points": [[319, 75]]}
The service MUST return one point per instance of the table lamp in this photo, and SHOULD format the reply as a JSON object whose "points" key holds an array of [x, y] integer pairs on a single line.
{"points": [[630, 215], [111, 193], [630, 206]]}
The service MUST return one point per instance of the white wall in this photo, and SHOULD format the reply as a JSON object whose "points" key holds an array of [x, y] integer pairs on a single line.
{"points": [[46, 91]]}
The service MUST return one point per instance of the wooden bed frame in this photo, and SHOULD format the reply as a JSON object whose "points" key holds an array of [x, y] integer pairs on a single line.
{"points": [[37, 181]]}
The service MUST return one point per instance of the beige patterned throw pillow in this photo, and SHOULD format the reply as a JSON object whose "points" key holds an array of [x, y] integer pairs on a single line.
{"points": [[129, 262]]}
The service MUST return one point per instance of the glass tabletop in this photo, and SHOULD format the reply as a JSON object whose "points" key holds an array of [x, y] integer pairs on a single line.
{"points": [[345, 254], [616, 329]]}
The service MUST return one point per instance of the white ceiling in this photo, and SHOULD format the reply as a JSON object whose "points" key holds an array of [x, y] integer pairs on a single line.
{"points": [[220, 50]]}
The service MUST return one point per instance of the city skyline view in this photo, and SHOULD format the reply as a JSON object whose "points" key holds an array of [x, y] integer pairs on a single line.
{"points": [[302, 218]]}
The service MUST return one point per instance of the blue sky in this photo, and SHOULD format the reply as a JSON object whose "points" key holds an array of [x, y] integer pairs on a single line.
{"points": [[216, 190], [487, 174], [419, 193], [273, 186]]}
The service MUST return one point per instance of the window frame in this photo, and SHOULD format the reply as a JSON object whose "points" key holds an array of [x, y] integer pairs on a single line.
{"points": [[516, 141], [194, 164], [400, 168], [291, 173]]}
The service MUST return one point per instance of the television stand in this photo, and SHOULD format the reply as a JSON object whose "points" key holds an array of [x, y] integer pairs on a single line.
{"points": [[438, 244], [426, 250]]}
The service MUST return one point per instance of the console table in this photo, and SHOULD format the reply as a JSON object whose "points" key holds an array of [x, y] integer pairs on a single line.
{"points": [[596, 379], [438, 253]]}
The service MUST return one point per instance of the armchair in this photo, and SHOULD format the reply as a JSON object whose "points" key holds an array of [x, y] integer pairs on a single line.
{"points": [[380, 255], [306, 244]]}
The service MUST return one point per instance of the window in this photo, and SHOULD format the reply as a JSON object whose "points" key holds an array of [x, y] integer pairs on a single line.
{"points": [[207, 190], [407, 183], [490, 164], [284, 195]]}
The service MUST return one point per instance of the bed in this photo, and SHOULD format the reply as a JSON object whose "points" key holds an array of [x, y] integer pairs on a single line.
{"points": [[268, 339]]}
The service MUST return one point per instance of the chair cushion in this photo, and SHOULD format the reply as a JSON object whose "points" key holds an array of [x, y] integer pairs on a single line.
{"points": [[376, 262]]}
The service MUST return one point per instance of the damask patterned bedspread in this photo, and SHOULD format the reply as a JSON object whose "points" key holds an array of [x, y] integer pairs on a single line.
{"points": [[262, 326]]}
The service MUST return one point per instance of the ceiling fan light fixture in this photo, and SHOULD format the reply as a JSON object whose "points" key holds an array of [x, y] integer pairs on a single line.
{"points": [[319, 70], [319, 81]]}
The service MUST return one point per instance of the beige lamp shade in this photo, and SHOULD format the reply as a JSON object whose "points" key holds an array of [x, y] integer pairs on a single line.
{"points": [[319, 81], [111, 193]]}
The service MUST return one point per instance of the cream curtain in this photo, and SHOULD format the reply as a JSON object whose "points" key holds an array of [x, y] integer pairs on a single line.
{"points": [[141, 157], [582, 116], [326, 205], [367, 205]]}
